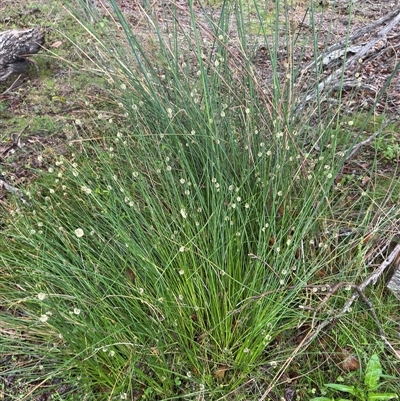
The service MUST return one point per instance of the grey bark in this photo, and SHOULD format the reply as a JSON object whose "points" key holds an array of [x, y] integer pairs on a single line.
{"points": [[394, 283], [15, 47]]}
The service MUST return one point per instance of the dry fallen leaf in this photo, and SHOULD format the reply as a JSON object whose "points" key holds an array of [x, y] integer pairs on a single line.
{"points": [[365, 181], [349, 362], [131, 275], [56, 44], [219, 374]]}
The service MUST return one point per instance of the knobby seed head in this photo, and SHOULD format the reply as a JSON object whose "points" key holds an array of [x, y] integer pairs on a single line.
{"points": [[44, 318], [41, 296], [79, 232]]}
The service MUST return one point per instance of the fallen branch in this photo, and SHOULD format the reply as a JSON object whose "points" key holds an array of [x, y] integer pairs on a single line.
{"points": [[346, 42], [341, 50], [15, 47]]}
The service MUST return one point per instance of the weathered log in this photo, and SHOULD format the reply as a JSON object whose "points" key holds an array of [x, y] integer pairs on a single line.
{"points": [[394, 283], [353, 54], [15, 47]]}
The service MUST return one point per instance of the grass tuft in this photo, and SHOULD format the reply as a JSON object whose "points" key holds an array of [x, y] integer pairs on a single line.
{"points": [[183, 255]]}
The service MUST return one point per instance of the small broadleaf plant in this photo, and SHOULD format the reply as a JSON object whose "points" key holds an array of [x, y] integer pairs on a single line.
{"points": [[367, 392]]}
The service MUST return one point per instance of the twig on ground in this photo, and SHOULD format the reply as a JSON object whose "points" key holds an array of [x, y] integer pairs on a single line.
{"points": [[15, 143], [314, 331], [375, 319], [373, 277], [359, 145], [359, 292], [12, 86]]}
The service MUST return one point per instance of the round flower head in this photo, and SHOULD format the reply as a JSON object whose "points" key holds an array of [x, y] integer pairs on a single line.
{"points": [[79, 232]]}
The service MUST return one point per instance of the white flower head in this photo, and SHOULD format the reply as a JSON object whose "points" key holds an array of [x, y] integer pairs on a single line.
{"points": [[41, 296], [44, 318], [79, 232], [85, 189]]}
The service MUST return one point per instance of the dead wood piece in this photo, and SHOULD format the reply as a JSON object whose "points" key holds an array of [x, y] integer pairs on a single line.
{"points": [[356, 54], [347, 41], [15, 47], [394, 283]]}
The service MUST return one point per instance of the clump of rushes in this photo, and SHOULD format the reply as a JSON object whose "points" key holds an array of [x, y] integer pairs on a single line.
{"points": [[175, 260]]}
